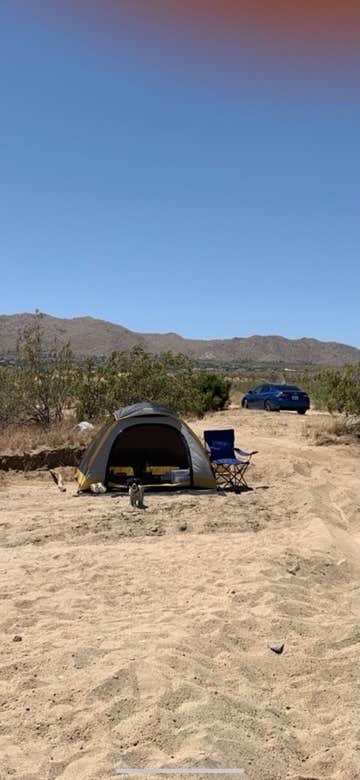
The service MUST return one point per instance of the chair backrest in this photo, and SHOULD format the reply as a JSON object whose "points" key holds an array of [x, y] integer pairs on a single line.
{"points": [[220, 443]]}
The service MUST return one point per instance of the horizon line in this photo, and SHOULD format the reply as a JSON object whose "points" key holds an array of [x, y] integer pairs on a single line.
{"points": [[38, 313]]}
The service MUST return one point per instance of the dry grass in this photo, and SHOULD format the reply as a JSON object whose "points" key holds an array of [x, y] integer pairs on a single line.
{"points": [[236, 397], [338, 430], [19, 439]]}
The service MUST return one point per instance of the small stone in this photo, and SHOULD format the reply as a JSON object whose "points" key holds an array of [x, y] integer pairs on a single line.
{"points": [[154, 530], [183, 527], [293, 569], [277, 647], [17, 638]]}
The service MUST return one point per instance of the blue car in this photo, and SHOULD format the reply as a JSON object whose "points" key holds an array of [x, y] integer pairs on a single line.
{"points": [[274, 398]]}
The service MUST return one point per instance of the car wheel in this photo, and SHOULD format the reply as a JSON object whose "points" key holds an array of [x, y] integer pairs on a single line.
{"points": [[244, 404], [301, 411], [267, 406]]}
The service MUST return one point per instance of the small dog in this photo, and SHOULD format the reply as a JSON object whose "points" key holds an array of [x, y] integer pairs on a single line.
{"points": [[136, 495]]}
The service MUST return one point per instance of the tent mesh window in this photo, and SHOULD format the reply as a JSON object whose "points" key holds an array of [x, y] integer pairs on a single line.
{"points": [[147, 452]]}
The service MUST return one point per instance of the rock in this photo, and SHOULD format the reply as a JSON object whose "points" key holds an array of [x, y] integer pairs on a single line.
{"points": [[183, 527], [84, 426], [293, 569], [17, 638], [277, 647]]}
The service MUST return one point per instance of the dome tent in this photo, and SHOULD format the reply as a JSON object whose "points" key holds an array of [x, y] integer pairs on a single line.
{"points": [[149, 442]]}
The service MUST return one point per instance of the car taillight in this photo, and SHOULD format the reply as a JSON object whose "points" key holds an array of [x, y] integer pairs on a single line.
{"points": [[283, 395]]}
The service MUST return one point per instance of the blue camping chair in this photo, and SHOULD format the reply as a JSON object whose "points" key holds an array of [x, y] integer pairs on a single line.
{"points": [[228, 469]]}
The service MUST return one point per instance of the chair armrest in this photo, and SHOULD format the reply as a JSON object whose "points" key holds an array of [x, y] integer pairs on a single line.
{"points": [[242, 452]]}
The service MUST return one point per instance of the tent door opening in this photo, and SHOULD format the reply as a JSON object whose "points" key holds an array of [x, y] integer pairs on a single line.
{"points": [[154, 453]]}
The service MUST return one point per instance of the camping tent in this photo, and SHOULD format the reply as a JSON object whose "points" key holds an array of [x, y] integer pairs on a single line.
{"points": [[148, 442]]}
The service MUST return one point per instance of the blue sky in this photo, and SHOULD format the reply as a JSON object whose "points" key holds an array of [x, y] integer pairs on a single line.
{"points": [[174, 190]]}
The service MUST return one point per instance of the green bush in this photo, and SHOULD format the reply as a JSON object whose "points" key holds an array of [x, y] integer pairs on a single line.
{"points": [[166, 379], [215, 391], [9, 395], [339, 391], [47, 382], [89, 391], [130, 377], [44, 380]]}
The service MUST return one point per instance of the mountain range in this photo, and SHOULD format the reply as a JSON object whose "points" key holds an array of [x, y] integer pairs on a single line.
{"points": [[89, 336]]}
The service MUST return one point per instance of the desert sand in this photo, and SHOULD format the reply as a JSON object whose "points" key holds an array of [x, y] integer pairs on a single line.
{"points": [[137, 638]]}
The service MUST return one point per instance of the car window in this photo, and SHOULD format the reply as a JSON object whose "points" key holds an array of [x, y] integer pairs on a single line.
{"points": [[286, 387], [265, 388], [258, 389]]}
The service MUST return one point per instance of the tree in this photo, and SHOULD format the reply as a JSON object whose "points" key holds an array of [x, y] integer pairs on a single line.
{"points": [[45, 378]]}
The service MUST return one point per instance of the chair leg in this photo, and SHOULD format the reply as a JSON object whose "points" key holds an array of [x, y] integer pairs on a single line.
{"points": [[231, 477]]}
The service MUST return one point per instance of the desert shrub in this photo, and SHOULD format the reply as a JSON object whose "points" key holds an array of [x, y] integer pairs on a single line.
{"points": [[130, 377], [46, 383], [9, 395], [215, 391], [166, 379], [90, 391], [339, 429], [337, 390], [44, 379], [350, 389]]}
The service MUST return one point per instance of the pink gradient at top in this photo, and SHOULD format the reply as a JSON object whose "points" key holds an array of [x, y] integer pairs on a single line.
{"points": [[303, 38], [317, 28]]}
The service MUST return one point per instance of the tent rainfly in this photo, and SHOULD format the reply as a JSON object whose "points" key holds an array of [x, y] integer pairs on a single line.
{"points": [[149, 442]]}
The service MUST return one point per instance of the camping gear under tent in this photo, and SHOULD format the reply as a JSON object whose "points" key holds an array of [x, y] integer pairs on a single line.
{"points": [[148, 442]]}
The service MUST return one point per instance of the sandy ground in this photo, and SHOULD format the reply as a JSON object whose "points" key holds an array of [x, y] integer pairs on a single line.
{"points": [[145, 635]]}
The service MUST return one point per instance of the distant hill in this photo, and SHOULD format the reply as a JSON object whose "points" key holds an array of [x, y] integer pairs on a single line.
{"points": [[89, 336]]}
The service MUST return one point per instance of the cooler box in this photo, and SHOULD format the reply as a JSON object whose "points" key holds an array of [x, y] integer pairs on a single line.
{"points": [[180, 475]]}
